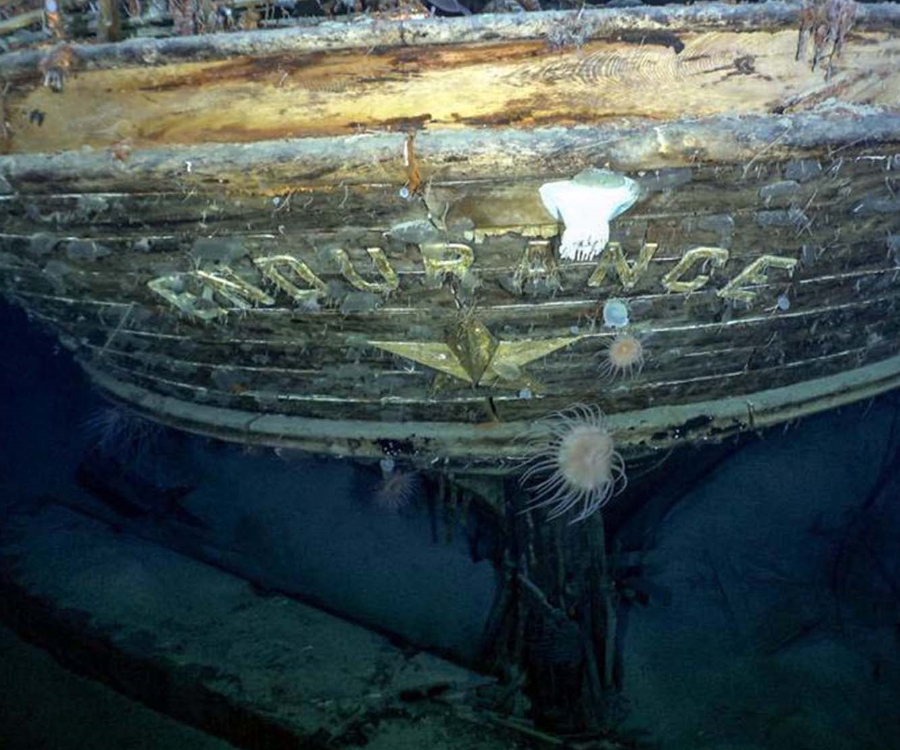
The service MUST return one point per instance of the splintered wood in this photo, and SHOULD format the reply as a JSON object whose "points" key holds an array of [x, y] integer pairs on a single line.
{"points": [[518, 83]]}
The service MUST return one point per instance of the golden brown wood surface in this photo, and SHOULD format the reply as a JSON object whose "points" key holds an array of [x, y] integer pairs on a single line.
{"points": [[521, 82]]}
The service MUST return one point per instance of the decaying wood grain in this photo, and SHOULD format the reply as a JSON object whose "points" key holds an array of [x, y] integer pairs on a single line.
{"points": [[244, 88], [272, 168], [365, 33]]}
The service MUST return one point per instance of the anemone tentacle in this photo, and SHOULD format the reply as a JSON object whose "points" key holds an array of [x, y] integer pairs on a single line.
{"points": [[573, 463]]}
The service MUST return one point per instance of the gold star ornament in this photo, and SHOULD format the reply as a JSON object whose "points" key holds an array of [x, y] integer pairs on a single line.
{"points": [[471, 353]]}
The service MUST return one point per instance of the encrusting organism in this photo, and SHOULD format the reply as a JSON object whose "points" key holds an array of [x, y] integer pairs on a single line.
{"points": [[585, 205], [579, 468]]}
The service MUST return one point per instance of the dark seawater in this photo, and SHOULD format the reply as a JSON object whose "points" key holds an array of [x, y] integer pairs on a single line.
{"points": [[760, 610]]}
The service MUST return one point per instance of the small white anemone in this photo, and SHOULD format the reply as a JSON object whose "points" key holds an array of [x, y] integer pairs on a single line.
{"points": [[585, 205], [396, 489], [624, 356], [578, 468]]}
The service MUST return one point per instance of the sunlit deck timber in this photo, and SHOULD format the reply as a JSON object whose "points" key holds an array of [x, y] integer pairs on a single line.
{"points": [[334, 237]]}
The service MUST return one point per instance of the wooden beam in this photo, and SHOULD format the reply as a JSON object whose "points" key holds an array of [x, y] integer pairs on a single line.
{"points": [[514, 83], [276, 167], [108, 23]]}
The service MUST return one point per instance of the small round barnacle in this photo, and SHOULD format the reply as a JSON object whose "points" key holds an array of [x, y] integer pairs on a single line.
{"points": [[585, 205]]}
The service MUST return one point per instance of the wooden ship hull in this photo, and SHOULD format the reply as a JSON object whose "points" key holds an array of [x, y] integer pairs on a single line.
{"points": [[332, 237]]}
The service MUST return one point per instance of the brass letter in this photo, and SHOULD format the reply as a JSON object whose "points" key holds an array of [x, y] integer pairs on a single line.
{"points": [[224, 282], [628, 273], [172, 289], [233, 288], [443, 258], [715, 255], [537, 269], [755, 274], [274, 268], [381, 263]]}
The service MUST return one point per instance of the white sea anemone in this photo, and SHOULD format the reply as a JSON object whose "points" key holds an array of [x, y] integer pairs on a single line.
{"points": [[624, 356], [396, 489], [578, 467], [118, 432], [585, 205]]}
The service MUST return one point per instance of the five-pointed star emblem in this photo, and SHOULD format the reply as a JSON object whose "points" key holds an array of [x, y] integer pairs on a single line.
{"points": [[471, 353]]}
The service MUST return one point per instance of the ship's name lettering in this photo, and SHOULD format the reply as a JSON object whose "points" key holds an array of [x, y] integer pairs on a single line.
{"points": [[202, 294]]}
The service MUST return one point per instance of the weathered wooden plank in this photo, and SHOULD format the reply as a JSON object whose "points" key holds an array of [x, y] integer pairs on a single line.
{"points": [[464, 406], [306, 397], [278, 167], [688, 312], [317, 34], [665, 346], [708, 206], [408, 81], [839, 276], [363, 33], [809, 187], [733, 354], [825, 273], [490, 446]]}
